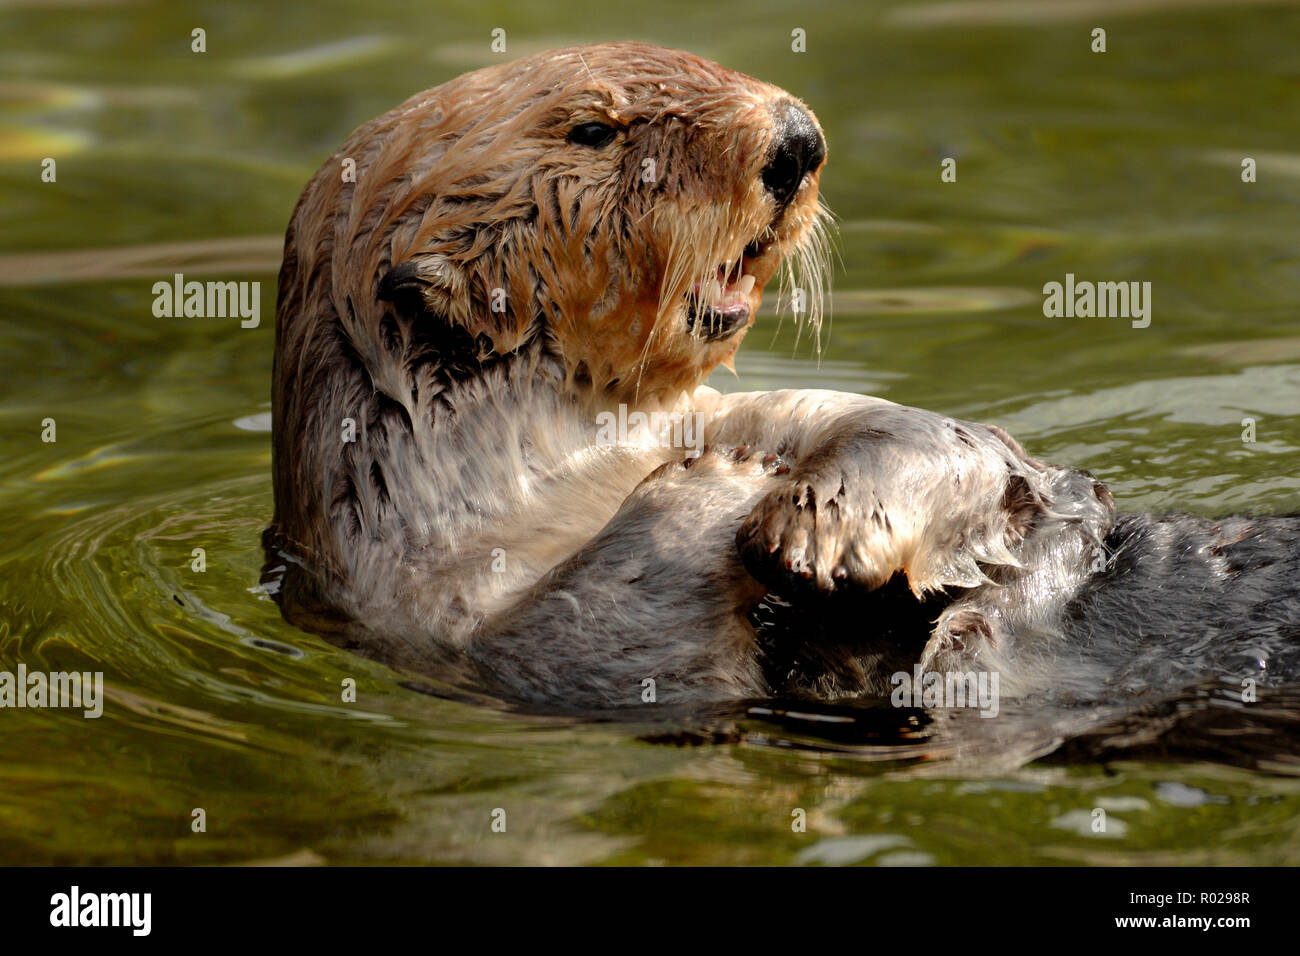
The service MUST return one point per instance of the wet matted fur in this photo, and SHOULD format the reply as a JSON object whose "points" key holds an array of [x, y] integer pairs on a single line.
{"points": [[589, 232]]}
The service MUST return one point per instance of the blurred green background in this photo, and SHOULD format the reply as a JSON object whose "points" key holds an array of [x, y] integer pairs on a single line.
{"points": [[1120, 166]]}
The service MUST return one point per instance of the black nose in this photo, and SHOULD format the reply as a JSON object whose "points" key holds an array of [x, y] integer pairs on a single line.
{"points": [[798, 149]]}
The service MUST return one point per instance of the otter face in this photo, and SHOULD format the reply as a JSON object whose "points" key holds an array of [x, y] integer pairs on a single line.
{"points": [[624, 202], [628, 202]]}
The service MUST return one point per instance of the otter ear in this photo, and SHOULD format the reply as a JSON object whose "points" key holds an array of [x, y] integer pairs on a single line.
{"points": [[425, 284]]}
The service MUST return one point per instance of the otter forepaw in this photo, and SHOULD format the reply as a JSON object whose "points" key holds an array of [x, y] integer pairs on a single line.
{"points": [[961, 637], [938, 505], [811, 535]]}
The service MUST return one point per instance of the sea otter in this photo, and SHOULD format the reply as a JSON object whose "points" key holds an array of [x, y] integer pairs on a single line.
{"points": [[478, 282]]}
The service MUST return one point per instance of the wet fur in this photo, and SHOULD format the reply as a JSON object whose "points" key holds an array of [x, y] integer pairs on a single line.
{"points": [[476, 528]]}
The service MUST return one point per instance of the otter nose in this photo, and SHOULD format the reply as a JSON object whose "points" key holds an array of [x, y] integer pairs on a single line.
{"points": [[799, 149]]}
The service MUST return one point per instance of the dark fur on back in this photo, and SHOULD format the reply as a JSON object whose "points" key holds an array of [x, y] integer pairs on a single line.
{"points": [[1186, 597]]}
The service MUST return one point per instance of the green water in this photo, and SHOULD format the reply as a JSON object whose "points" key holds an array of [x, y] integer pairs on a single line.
{"points": [[1116, 166]]}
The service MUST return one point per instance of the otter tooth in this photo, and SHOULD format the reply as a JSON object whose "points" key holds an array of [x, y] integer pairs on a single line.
{"points": [[745, 285]]}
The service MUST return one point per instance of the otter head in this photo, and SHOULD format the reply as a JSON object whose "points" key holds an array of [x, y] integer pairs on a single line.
{"points": [[600, 220], [624, 203]]}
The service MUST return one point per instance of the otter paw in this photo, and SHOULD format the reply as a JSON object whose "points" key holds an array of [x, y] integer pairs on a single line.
{"points": [[960, 637], [811, 535]]}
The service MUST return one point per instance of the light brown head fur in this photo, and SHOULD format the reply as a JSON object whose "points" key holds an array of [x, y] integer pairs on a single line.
{"points": [[476, 184]]}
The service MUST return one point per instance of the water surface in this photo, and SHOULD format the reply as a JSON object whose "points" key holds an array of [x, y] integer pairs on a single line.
{"points": [[1120, 166]]}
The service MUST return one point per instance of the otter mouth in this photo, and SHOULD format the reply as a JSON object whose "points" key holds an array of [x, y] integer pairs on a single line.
{"points": [[720, 307]]}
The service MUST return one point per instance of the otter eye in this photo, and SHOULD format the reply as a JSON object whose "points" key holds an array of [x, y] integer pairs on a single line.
{"points": [[595, 135]]}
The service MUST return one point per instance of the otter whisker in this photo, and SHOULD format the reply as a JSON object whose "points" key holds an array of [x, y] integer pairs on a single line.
{"points": [[805, 271]]}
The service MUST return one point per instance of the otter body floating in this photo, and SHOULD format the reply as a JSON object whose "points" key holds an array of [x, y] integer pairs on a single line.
{"points": [[535, 249]]}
